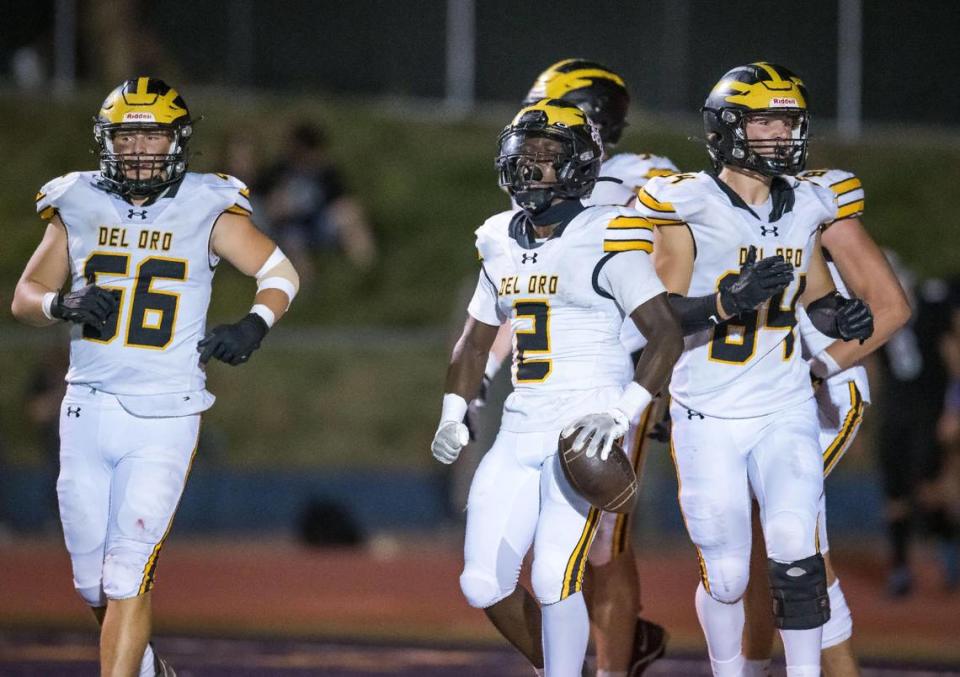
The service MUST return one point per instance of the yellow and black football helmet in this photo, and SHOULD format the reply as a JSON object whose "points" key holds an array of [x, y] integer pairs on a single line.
{"points": [[754, 90], [592, 87], [577, 165], [142, 104]]}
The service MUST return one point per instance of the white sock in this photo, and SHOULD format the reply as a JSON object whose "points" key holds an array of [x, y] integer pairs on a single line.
{"points": [[722, 626], [730, 668], [803, 671], [146, 665], [840, 626], [566, 630], [759, 668], [801, 649], [611, 673]]}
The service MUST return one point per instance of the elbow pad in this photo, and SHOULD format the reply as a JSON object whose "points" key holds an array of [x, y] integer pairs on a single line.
{"points": [[278, 273], [696, 313]]}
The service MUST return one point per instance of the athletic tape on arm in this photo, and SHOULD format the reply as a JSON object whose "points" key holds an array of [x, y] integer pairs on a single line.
{"points": [[278, 273]]}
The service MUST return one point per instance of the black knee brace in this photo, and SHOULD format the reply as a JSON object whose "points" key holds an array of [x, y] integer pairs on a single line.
{"points": [[800, 600]]}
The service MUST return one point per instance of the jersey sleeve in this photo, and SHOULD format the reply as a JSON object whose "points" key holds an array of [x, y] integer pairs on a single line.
{"points": [[631, 280], [846, 187], [483, 306], [628, 232], [48, 196], [653, 205], [235, 194]]}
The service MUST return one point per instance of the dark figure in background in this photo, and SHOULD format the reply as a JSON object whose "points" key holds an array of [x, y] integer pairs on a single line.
{"points": [[308, 208], [909, 404], [41, 404]]}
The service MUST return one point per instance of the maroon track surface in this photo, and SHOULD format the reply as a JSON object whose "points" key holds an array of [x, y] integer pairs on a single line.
{"points": [[396, 593]]}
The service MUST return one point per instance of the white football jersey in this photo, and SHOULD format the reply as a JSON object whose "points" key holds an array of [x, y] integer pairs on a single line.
{"points": [[157, 258], [749, 367], [850, 200], [630, 172], [565, 298]]}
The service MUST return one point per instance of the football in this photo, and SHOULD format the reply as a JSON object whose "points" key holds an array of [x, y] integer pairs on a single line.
{"points": [[610, 485]]}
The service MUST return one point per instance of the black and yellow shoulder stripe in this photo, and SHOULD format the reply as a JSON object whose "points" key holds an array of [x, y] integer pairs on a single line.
{"points": [[650, 202], [637, 229]]}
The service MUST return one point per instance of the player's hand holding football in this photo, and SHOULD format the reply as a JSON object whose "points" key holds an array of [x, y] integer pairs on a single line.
{"points": [[91, 305], [598, 432], [757, 282], [233, 343], [854, 320]]}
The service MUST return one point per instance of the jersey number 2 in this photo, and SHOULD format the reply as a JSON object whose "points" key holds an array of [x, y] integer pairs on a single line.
{"points": [[152, 313], [532, 341]]}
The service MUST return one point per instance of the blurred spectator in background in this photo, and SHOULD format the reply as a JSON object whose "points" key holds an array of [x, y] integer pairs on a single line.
{"points": [[240, 157], [44, 393], [910, 402], [308, 208]]}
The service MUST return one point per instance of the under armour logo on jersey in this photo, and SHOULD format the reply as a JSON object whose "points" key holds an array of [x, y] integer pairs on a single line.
{"points": [[73, 411], [133, 212], [691, 414], [772, 230], [529, 257]]}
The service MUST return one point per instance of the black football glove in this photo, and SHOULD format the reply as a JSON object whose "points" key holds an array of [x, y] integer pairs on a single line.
{"points": [[854, 320], [90, 305], [233, 343], [757, 282]]}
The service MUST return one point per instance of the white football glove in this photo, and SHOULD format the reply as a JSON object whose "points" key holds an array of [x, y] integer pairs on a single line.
{"points": [[451, 437], [601, 429]]}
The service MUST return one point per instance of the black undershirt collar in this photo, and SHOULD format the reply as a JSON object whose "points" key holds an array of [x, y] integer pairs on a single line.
{"points": [[562, 213], [780, 191]]}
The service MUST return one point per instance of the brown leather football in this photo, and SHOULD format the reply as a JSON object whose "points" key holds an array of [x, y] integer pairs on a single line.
{"points": [[610, 485]]}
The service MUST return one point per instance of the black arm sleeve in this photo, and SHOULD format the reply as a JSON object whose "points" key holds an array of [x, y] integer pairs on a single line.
{"points": [[823, 313], [696, 313]]}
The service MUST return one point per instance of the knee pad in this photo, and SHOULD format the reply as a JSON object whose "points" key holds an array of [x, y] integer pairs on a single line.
{"points": [[125, 574], [727, 577], [789, 535], [93, 596], [481, 590], [840, 626], [799, 589]]}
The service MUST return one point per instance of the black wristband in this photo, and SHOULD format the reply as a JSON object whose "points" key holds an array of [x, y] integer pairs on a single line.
{"points": [[696, 312]]}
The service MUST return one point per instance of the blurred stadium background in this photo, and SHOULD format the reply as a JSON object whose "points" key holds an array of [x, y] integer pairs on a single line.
{"points": [[331, 422]]}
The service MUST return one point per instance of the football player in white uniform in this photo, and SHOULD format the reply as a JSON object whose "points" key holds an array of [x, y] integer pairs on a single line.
{"points": [[564, 275], [623, 641], [855, 261], [139, 241], [739, 249]]}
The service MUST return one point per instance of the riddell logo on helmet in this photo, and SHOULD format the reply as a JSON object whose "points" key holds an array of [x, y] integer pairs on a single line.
{"points": [[783, 102], [139, 116]]}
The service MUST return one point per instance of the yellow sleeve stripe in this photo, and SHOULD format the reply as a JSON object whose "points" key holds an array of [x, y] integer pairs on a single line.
{"points": [[849, 210], [40, 195], [48, 213], [652, 203], [627, 246], [237, 209], [658, 172], [625, 222], [666, 222], [846, 185], [245, 192]]}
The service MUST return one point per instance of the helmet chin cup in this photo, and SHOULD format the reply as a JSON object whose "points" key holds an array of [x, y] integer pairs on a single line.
{"points": [[534, 200]]}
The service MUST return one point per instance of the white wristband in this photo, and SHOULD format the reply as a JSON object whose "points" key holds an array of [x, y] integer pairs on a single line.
{"points": [[46, 304], [263, 311], [493, 366], [633, 400], [454, 408], [823, 365]]}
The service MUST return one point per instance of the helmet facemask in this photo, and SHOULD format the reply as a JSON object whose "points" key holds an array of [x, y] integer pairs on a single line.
{"points": [[141, 174], [521, 161]]}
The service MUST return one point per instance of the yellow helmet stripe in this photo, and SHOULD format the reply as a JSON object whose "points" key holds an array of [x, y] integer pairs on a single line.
{"points": [[568, 116], [559, 84]]}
